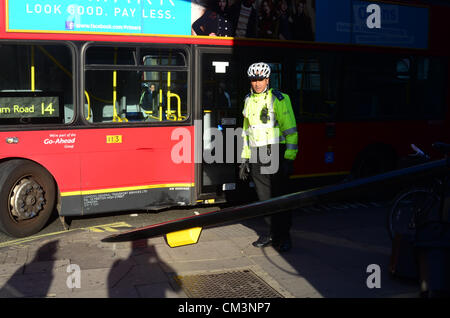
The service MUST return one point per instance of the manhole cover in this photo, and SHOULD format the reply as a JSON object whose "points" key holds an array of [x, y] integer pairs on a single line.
{"points": [[234, 284]]}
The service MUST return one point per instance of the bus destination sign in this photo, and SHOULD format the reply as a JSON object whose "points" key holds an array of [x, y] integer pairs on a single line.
{"points": [[13, 107]]}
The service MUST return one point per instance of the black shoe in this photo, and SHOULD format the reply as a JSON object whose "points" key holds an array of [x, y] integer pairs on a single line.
{"points": [[263, 241], [282, 246]]}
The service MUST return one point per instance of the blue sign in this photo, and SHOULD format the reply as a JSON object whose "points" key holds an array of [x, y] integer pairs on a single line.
{"points": [[371, 23], [166, 17], [329, 157]]}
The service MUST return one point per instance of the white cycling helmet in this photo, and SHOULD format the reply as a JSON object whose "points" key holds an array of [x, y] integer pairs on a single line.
{"points": [[258, 70]]}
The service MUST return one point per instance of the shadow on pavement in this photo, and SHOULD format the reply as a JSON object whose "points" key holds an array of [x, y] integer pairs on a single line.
{"points": [[34, 278], [143, 271], [331, 255]]}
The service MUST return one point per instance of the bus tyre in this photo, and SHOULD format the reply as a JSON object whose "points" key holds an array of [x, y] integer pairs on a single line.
{"points": [[27, 197]]}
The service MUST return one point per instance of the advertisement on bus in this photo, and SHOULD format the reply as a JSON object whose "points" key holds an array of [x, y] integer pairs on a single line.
{"points": [[109, 16], [330, 21]]}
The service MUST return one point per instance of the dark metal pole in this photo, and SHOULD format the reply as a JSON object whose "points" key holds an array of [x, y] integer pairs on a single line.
{"points": [[282, 203]]}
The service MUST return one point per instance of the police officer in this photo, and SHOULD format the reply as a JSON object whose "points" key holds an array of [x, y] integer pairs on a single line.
{"points": [[270, 131]]}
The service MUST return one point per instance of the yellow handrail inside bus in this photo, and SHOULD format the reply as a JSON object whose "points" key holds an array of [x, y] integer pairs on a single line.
{"points": [[33, 69], [172, 114], [89, 105], [180, 117], [116, 117]]}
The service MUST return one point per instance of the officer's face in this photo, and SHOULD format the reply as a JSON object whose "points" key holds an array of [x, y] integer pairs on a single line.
{"points": [[259, 85], [222, 4]]}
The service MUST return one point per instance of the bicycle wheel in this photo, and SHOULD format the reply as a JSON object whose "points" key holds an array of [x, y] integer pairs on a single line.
{"points": [[411, 209]]}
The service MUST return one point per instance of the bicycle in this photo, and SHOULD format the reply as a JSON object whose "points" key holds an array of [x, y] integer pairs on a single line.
{"points": [[418, 205]]}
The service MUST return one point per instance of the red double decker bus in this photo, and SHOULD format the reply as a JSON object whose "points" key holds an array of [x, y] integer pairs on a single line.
{"points": [[120, 105]]}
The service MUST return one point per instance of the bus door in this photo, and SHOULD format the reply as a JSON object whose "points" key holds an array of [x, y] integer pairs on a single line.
{"points": [[218, 112]]}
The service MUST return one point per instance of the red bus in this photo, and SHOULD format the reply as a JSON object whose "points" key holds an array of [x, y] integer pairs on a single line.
{"points": [[101, 113]]}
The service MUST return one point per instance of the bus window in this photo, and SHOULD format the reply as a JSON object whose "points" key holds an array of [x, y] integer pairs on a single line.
{"points": [[275, 75], [153, 90], [389, 87], [36, 84], [376, 87], [102, 55], [311, 97], [162, 57], [131, 96], [428, 93]]}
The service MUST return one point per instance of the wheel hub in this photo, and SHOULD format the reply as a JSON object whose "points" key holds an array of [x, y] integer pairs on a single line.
{"points": [[27, 199]]}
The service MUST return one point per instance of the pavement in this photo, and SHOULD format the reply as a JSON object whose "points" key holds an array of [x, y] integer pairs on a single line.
{"points": [[337, 253]]}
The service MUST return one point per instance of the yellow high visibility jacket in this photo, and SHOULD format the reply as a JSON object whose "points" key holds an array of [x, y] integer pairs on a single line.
{"points": [[279, 126]]}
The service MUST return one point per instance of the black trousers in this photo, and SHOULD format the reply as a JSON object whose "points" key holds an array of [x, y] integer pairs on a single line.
{"points": [[269, 185]]}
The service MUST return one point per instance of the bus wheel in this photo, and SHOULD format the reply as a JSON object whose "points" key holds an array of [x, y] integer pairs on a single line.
{"points": [[27, 197]]}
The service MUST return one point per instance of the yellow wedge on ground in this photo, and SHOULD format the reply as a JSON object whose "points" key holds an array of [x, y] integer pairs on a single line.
{"points": [[183, 237]]}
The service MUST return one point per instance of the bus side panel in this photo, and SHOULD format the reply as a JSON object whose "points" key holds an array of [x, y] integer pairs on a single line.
{"points": [[105, 170], [331, 150], [127, 157], [62, 160], [135, 168], [314, 147], [53, 150]]}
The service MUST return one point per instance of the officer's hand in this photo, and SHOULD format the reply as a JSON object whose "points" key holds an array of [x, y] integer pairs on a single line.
{"points": [[289, 167], [244, 170]]}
